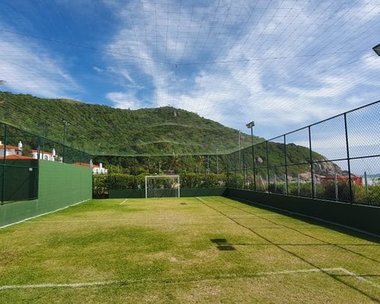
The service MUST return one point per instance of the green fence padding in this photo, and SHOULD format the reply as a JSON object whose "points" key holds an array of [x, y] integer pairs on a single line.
{"points": [[362, 217], [139, 193], [62, 184], [130, 193], [59, 185], [202, 192]]}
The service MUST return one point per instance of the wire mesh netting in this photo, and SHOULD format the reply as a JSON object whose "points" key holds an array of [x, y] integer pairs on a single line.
{"points": [[20, 152], [335, 159]]}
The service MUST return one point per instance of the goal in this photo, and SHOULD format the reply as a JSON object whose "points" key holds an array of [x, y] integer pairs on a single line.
{"points": [[162, 186]]}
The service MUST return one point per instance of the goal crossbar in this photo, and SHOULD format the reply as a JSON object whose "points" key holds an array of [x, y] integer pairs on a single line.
{"points": [[174, 186]]}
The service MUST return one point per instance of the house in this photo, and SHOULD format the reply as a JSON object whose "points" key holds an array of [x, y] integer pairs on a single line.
{"points": [[16, 152], [99, 169], [50, 156], [96, 169], [8, 150]]}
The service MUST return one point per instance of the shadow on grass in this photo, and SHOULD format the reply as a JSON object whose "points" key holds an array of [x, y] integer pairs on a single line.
{"points": [[223, 245]]}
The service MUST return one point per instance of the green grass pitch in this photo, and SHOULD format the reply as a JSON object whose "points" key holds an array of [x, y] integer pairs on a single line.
{"points": [[187, 250]]}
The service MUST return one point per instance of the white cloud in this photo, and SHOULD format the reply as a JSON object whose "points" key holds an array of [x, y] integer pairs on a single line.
{"points": [[29, 68], [365, 11], [123, 100], [271, 62], [97, 69], [371, 62]]}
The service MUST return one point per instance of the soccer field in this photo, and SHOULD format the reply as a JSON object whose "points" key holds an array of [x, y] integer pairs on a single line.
{"points": [[187, 250]]}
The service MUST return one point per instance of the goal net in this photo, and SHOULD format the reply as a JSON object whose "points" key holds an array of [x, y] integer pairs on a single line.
{"points": [[162, 186]]}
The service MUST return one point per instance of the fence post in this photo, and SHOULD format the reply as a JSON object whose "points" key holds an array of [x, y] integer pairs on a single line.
{"points": [[267, 155], [254, 167], [348, 158], [4, 163], [311, 166], [298, 185], [286, 165], [366, 185]]}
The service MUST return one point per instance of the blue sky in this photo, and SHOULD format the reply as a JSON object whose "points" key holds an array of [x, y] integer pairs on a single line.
{"points": [[282, 63]]}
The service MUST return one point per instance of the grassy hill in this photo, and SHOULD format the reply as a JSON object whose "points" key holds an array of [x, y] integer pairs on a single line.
{"points": [[109, 132], [106, 130]]}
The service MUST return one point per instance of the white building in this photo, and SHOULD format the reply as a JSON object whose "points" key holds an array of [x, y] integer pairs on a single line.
{"points": [[10, 150], [15, 152], [50, 156], [98, 169]]}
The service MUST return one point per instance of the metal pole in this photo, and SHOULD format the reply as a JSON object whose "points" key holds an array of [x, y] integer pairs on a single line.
{"points": [[311, 165], [275, 182], [298, 185], [286, 166], [253, 161], [336, 187], [65, 124], [366, 184], [240, 167], [146, 187], [348, 158], [267, 165], [4, 164], [217, 162]]}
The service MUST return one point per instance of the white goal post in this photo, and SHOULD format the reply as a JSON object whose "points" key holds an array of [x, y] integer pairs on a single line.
{"points": [[162, 186]]}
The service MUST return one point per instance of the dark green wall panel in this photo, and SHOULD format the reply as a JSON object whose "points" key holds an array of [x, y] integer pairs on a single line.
{"points": [[20, 180], [138, 193], [362, 217]]}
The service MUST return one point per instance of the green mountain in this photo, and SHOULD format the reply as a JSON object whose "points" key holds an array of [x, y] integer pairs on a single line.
{"points": [[110, 133], [105, 130]]}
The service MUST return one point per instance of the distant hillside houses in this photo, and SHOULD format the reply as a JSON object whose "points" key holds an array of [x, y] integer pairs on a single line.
{"points": [[96, 169], [11, 152], [16, 152]]}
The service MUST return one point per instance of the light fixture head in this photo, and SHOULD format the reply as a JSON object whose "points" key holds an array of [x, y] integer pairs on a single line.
{"points": [[250, 124], [377, 49]]}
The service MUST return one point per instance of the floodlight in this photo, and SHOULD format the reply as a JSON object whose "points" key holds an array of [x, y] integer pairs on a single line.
{"points": [[377, 49], [250, 124]]}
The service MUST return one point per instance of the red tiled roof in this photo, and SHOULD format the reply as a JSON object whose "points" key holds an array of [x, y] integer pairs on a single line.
{"points": [[87, 165], [8, 147], [83, 164], [42, 152], [16, 157]]}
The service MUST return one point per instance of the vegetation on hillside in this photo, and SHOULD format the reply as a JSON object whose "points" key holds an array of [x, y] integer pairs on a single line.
{"points": [[105, 130]]}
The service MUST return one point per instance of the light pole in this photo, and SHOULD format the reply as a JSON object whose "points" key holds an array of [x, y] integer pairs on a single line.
{"points": [[250, 125], [377, 49], [217, 161], [65, 125]]}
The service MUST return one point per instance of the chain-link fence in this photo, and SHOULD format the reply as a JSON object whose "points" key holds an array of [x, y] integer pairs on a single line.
{"points": [[20, 152], [334, 159]]}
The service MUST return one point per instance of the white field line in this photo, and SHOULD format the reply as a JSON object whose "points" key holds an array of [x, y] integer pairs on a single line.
{"points": [[299, 271], [52, 285], [359, 277], [123, 202], [42, 214], [226, 276]]}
